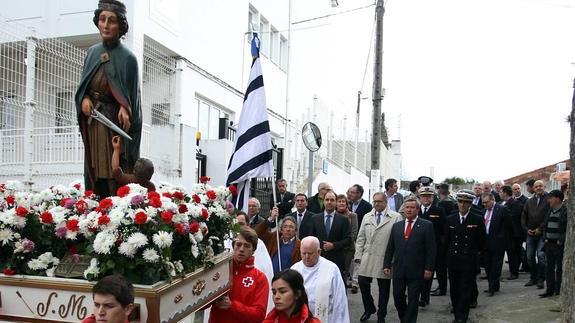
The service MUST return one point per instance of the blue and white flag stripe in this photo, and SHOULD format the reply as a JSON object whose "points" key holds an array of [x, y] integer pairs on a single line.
{"points": [[252, 154]]}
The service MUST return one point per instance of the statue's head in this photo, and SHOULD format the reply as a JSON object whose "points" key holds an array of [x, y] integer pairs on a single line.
{"points": [[111, 6]]}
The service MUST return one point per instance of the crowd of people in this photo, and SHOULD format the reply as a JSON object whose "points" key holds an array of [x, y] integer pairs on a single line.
{"points": [[301, 270]]}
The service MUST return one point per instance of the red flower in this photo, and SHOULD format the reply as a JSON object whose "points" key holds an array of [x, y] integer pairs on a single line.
{"points": [[10, 199], [180, 229], [141, 218], [196, 198], [211, 195], [178, 195], [194, 227], [167, 216], [21, 211], [155, 202], [123, 191], [46, 217], [233, 189], [8, 271], [2, 187], [167, 194], [153, 195], [73, 250], [77, 186], [81, 206], [72, 225], [88, 194], [205, 214], [103, 219], [182, 208], [204, 179], [106, 204]]}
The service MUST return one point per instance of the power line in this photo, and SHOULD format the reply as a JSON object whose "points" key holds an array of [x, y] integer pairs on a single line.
{"points": [[333, 14], [368, 53]]}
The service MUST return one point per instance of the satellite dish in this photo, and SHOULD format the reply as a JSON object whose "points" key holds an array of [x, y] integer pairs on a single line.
{"points": [[311, 136]]}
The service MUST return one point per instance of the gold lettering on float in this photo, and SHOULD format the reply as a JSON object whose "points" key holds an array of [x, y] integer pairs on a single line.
{"points": [[75, 306]]}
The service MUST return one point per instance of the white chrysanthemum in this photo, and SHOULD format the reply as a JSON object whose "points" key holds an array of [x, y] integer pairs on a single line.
{"points": [[179, 266], [104, 241], [48, 258], [195, 210], [35, 201], [20, 222], [127, 249], [116, 215], [180, 218], [14, 185], [150, 211], [50, 271], [59, 190], [6, 235], [58, 214], [198, 236], [123, 203], [36, 264], [138, 240], [8, 217], [138, 189], [150, 255], [163, 239], [195, 251], [72, 191], [93, 269], [170, 267], [21, 199]]}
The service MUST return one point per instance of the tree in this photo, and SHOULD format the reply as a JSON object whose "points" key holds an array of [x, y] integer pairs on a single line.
{"points": [[568, 282], [458, 181]]}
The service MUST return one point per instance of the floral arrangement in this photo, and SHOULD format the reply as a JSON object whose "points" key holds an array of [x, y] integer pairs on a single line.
{"points": [[146, 236]]}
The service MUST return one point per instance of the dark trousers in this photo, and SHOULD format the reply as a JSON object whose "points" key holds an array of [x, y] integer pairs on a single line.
{"points": [[407, 311], [493, 265], [461, 282], [513, 249], [365, 289], [554, 257], [441, 267]]}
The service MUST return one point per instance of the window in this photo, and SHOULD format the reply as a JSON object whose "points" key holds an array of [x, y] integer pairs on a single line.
{"points": [[274, 45], [264, 36], [252, 19], [283, 53], [208, 120], [64, 109]]}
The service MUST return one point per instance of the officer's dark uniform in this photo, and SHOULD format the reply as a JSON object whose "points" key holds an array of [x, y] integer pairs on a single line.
{"points": [[464, 242]]}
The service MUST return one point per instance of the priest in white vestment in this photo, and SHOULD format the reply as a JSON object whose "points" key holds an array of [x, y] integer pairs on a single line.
{"points": [[323, 284]]}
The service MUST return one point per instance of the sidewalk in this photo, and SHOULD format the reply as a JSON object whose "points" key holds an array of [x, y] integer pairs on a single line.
{"points": [[522, 310]]}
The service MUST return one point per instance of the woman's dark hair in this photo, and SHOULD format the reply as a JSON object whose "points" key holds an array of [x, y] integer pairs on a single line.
{"points": [[118, 8], [295, 282], [118, 286]]}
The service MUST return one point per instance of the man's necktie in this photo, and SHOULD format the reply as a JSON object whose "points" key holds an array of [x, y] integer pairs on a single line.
{"points": [[378, 220], [487, 220], [299, 218], [408, 230], [425, 210], [328, 224], [462, 219]]}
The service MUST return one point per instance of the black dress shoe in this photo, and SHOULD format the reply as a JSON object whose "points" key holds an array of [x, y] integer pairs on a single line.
{"points": [[491, 293], [530, 283], [512, 277], [483, 277], [354, 289], [473, 304], [438, 293], [365, 316], [546, 295], [540, 284], [423, 303]]}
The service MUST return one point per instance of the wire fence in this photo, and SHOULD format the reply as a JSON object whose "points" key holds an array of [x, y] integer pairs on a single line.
{"points": [[40, 143]]}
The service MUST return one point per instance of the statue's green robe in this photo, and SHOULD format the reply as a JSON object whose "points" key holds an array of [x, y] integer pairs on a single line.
{"points": [[121, 68]]}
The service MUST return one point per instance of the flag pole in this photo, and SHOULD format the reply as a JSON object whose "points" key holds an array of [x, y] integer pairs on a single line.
{"points": [[277, 226]]}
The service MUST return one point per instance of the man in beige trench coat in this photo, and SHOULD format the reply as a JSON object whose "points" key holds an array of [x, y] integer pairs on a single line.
{"points": [[370, 247]]}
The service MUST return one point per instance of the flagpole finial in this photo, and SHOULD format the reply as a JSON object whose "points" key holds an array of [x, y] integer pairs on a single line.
{"points": [[255, 45]]}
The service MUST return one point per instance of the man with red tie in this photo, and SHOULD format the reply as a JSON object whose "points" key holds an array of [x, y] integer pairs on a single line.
{"points": [[411, 253]]}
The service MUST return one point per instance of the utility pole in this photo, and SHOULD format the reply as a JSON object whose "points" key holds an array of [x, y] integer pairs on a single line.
{"points": [[377, 95]]}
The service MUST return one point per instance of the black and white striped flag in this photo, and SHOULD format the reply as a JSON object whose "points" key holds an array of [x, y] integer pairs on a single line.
{"points": [[252, 156]]}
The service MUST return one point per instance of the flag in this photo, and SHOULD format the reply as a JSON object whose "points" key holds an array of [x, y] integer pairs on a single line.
{"points": [[252, 153]]}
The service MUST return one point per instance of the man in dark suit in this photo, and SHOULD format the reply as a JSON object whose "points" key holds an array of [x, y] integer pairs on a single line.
{"points": [[302, 216], [411, 247], [496, 227], [394, 199], [519, 200], [333, 231], [477, 191], [357, 204], [254, 207], [285, 200], [435, 215], [464, 240], [315, 203], [515, 235]]}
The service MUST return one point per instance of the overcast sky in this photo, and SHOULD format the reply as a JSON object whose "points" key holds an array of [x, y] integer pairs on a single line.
{"points": [[481, 88]]}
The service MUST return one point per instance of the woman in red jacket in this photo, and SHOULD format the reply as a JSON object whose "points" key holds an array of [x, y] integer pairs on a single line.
{"points": [[290, 299], [247, 301]]}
